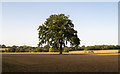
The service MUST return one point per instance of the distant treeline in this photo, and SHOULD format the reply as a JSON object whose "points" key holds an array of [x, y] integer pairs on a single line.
{"points": [[99, 47], [25, 48], [2, 46], [47, 48]]}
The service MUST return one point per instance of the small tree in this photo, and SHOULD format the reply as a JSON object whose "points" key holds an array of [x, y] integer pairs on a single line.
{"points": [[46, 47], [38, 49], [66, 49], [3, 46], [56, 31]]}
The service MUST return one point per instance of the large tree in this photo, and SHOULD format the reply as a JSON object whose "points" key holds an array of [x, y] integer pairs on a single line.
{"points": [[56, 31]]}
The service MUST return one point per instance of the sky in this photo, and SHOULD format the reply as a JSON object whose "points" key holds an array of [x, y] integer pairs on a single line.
{"points": [[95, 22]]}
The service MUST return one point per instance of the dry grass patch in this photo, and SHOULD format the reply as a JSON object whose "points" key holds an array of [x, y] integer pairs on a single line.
{"points": [[95, 51], [3, 48]]}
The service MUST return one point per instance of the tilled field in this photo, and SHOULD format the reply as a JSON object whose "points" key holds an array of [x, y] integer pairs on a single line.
{"points": [[59, 63]]}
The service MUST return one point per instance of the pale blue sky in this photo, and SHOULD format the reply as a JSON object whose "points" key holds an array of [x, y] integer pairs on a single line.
{"points": [[96, 22]]}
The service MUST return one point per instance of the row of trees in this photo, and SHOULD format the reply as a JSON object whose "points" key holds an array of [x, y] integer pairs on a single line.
{"points": [[99, 47], [47, 48], [25, 48]]}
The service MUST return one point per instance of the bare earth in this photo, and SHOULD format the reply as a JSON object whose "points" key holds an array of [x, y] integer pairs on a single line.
{"points": [[20, 62]]}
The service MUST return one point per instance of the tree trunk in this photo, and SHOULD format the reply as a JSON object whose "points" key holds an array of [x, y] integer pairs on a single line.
{"points": [[60, 48]]}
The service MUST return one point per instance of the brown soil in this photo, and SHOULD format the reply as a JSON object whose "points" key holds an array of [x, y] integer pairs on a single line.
{"points": [[59, 63]]}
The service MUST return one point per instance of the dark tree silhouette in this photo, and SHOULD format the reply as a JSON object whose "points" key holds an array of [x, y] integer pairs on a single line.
{"points": [[56, 31]]}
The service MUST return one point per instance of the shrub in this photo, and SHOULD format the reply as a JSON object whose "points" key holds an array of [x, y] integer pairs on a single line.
{"points": [[66, 49], [27, 50], [46, 47], [17, 50], [118, 51], [45, 50], [56, 50], [38, 49], [71, 48], [53, 50], [3, 46], [50, 49], [12, 49], [3, 50]]}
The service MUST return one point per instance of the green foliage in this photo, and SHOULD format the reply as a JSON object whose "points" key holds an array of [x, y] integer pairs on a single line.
{"points": [[38, 49], [46, 48], [117, 47], [57, 30], [81, 48], [2, 46], [50, 49], [100, 47], [3, 50], [53, 49], [66, 49], [12, 49], [20, 49], [118, 51]]}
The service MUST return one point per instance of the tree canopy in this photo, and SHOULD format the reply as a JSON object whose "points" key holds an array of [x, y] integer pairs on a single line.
{"points": [[57, 31]]}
